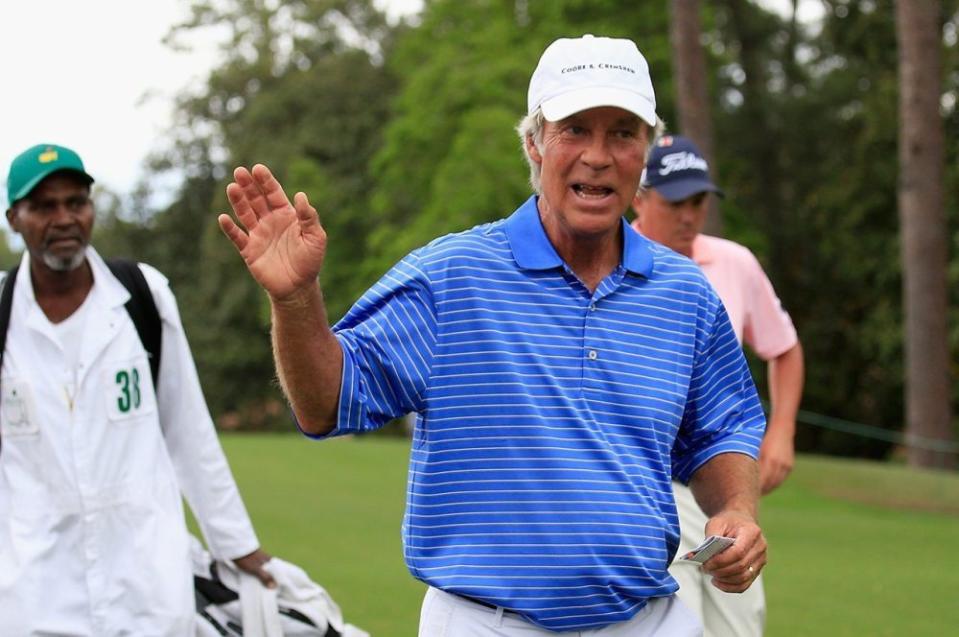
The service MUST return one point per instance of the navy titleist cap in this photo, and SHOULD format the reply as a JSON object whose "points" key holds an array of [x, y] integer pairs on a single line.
{"points": [[676, 169]]}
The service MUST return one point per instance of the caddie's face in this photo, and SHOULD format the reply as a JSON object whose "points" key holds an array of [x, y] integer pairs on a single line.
{"points": [[55, 221], [590, 167], [674, 224]]}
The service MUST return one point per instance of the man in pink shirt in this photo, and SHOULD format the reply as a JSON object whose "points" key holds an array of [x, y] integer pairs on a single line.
{"points": [[671, 209]]}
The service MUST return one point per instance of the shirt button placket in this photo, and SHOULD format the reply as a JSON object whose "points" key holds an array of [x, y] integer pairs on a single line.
{"points": [[591, 354]]}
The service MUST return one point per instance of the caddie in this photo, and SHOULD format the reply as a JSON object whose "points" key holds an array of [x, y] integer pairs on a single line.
{"points": [[95, 452]]}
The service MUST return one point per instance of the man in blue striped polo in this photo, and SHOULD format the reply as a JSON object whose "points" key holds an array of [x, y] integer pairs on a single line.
{"points": [[563, 370]]}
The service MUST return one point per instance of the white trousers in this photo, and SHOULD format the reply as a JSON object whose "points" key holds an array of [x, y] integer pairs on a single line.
{"points": [[446, 615], [722, 614]]}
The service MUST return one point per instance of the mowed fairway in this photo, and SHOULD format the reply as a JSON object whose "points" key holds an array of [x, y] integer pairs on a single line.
{"points": [[856, 548]]}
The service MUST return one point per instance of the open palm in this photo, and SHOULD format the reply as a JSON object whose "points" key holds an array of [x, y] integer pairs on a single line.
{"points": [[282, 243]]}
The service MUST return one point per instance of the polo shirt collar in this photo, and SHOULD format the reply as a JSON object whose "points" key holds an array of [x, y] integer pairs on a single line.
{"points": [[637, 252], [533, 251], [528, 241]]}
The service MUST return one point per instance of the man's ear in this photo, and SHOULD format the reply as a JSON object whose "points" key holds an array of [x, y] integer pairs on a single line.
{"points": [[11, 215], [533, 151]]}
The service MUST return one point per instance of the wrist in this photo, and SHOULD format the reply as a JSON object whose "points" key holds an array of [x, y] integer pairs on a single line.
{"points": [[299, 299], [741, 507], [781, 426]]}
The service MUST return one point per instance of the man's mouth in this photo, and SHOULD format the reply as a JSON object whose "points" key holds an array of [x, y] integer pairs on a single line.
{"points": [[587, 191], [59, 241]]}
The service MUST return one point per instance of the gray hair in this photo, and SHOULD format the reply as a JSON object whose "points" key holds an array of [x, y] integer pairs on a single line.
{"points": [[531, 127]]}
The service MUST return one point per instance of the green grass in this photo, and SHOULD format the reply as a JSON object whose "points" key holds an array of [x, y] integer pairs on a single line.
{"points": [[860, 548], [857, 548], [334, 508]]}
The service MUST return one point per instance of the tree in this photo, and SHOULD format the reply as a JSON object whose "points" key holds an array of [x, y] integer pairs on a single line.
{"points": [[302, 90], [451, 158], [8, 258], [923, 230], [692, 91], [395, 154], [751, 30]]}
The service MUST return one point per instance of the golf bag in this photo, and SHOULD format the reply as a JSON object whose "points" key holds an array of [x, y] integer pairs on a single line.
{"points": [[230, 603]]}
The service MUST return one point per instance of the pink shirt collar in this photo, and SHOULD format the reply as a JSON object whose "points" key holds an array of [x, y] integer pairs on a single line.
{"points": [[702, 252]]}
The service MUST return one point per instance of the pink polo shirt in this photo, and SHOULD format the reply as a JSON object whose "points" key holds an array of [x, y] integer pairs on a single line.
{"points": [[753, 307]]}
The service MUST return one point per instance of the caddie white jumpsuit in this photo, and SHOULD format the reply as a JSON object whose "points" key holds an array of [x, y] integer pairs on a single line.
{"points": [[92, 464]]}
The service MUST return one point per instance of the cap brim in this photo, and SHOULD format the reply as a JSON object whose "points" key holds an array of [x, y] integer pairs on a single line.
{"points": [[685, 188], [566, 104], [28, 187]]}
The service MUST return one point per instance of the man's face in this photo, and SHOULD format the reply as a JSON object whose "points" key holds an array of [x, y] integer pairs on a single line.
{"points": [[673, 223], [55, 221], [591, 163]]}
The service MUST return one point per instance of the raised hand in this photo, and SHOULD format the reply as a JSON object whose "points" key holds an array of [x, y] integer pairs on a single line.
{"points": [[283, 244]]}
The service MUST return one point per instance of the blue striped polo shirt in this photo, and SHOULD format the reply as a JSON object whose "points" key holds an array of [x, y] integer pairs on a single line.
{"points": [[550, 420]]}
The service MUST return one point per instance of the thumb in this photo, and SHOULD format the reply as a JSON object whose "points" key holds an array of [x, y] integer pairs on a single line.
{"points": [[305, 213]]}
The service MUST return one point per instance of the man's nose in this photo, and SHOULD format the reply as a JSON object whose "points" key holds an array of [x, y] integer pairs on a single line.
{"points": [[61, 213], [597, 154], [687, 212]]}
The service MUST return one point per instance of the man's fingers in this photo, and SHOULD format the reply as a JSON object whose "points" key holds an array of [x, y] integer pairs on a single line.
{"points": [[265, 578], [773, 474], [240, 202], [771, 480], [261, 191], [272, 191], [739, 571], [233, 231], [251, 189], [765, 476], [738, 577], [254, 564], [738, 585], [748, 550]]}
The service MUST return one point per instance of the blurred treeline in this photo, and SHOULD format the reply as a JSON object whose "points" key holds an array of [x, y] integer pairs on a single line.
{"points": [[403, 132]]}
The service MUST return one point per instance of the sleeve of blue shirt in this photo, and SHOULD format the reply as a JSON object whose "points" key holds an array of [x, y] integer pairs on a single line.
{"points": [[723, 413], [388, 338]]}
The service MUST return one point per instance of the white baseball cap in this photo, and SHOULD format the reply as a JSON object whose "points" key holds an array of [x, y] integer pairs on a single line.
{"points": [[575, 74]]}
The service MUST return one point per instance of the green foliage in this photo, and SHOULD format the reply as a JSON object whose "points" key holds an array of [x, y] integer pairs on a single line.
{"points": [[299, 90], [402, 134], [8, 258], [483, 177], [451, 158], [809, 156]]}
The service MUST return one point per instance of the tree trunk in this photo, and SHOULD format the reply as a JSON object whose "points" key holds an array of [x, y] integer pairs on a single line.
{"points": [[692, 94], [761, 149], [923, 232]]}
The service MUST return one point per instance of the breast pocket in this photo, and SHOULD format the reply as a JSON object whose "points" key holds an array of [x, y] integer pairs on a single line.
{"points": [[129, 390], [17, 413]]}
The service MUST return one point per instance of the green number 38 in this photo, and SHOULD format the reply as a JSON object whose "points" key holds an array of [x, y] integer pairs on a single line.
{"points": [[129, 384]]}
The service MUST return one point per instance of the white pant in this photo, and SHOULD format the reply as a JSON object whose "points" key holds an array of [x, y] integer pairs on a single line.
{"points": [[446, 615], [722, 614]]}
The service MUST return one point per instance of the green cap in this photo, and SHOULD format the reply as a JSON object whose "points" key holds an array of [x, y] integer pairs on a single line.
{"points": [[36, 164]]}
